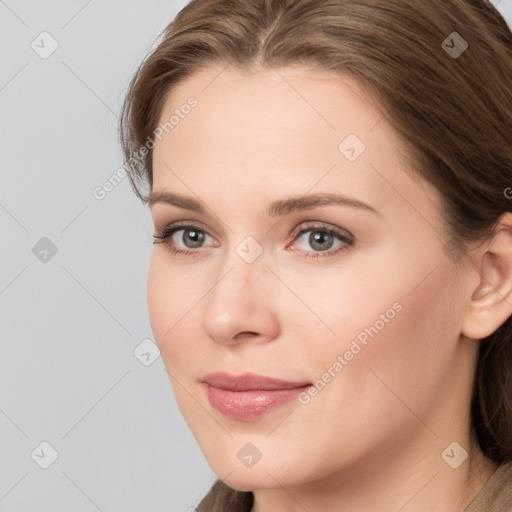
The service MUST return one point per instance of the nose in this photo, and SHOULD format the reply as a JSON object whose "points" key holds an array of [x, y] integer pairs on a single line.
{"points": [[239, 306]]}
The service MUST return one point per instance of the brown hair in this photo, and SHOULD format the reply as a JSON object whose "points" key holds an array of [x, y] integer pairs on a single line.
{"points": [[454, 110]]}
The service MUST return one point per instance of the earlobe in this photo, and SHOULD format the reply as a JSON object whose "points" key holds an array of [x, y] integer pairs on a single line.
{"points": [[491, 302]]}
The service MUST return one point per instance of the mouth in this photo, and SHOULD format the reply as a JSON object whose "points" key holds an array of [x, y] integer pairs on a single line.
{"points": [[249, 381], [249, 396]]}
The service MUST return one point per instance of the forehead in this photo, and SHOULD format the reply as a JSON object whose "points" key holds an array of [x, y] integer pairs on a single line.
{"points": [[281, 115], [282, 128], [280, 103]]}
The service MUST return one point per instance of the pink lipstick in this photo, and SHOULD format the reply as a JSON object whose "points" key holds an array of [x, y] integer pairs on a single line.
{"points": [[248, 397]]}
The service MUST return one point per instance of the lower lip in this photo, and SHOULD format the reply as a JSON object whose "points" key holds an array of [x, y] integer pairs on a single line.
{"points": [[250, 405]]}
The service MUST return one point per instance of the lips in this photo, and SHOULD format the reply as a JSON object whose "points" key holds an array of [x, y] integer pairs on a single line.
{"points": [[249, 381], [248, 397]]}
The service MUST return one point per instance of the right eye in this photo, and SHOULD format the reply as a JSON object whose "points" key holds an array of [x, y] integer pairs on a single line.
{"points": [[191, 237]]}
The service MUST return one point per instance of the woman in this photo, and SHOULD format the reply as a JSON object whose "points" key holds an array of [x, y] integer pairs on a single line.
{"points": [[331, 284]]}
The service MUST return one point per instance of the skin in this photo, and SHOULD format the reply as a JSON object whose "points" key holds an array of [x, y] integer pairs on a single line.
{"points": [[373, 436]]}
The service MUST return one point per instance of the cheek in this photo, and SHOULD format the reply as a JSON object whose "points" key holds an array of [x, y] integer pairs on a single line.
{"points": [[170, 297], [396, 333], [158, 291], [175, 296], [341, 305]]}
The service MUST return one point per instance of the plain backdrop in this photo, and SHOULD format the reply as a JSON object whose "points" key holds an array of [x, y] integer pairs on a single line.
{"points": [[74, 395]]}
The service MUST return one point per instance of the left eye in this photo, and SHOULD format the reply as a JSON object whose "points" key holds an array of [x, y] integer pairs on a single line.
{"points": [[321, 239]]}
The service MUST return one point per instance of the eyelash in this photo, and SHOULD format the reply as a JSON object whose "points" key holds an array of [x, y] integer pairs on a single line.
{"points": [[161, 237]]}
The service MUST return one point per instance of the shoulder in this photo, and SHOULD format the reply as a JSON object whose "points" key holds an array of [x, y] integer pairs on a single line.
{"points": [[496, 495], [222, 498]]}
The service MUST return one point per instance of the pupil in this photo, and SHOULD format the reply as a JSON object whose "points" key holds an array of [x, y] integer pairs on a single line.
{"points": [[318, 240]]}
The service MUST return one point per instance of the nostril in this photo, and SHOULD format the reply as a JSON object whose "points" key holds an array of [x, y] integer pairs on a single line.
{"points": [[247, 334]]}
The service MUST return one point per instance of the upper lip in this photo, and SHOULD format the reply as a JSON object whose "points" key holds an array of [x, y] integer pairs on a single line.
{"points": [[248, 381]]}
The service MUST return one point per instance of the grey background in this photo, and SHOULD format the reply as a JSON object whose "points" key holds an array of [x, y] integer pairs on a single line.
{"points": [[70, 323]]}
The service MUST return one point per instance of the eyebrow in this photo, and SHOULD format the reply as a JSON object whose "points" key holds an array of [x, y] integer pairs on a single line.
{"points": [[277, 208]]}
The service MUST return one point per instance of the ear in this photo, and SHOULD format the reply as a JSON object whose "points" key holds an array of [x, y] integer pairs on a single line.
{"points": [[491, 302]]}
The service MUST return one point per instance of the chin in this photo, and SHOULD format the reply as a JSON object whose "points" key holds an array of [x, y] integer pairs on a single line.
{"points": [[267, 473]]}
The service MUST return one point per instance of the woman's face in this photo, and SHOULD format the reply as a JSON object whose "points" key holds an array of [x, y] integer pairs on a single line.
{"points": [[309, 255]]}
